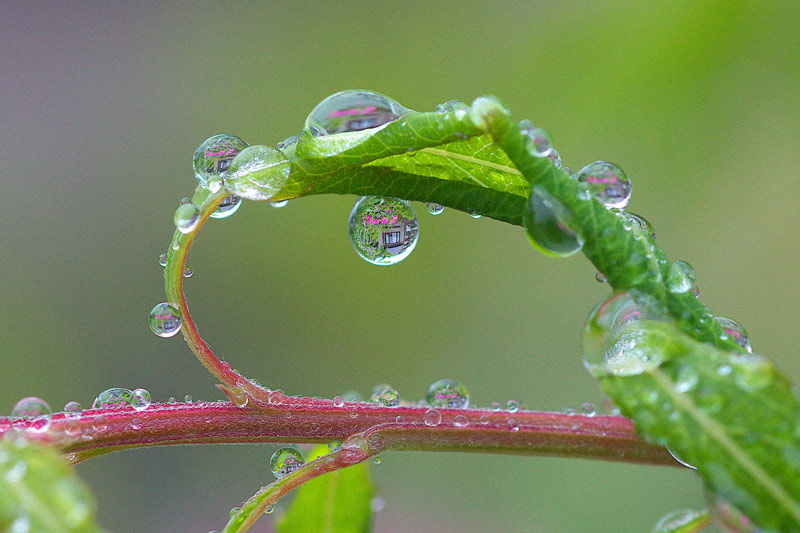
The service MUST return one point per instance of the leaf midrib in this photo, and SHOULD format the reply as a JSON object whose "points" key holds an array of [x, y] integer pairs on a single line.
{"points": [[472, 159]]}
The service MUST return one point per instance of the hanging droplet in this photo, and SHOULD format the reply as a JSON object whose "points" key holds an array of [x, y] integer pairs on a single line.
{"points": [[162, 260], [449, 394], [548, 225], [213, 157], [600, 277], [600, 341], [680, 277], [188, 272], [354, 110], [736, 332], [258, 173], [235, 511], [165, 320], [186, 218], [432, 417], [229, 205], [387, 397], [383, 231], [140, 399], [278, 205], [30, 407], [73, 407], [269, 509], [607, 182], [114, 398], [473, 212], [434, 209], [537, 141], [285, 461], [640, 223], [676, 520]]}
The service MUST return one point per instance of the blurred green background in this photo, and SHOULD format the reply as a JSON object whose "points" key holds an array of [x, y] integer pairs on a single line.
{"points": [[103, 106]]}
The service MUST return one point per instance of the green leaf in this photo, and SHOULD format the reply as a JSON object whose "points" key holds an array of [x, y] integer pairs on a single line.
{"points": [[40, 492], [731, 415], [337, 502]]}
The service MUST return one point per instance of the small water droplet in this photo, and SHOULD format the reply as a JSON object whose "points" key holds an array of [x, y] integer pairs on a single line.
{"points": [[512, 406], [513, 425], [188, 398], [30, 407], [113, 398], [338, 401], [354, 110], [680, 277], [600, 277], [285, 461], [432, 417], [752, 372], [335, 445], [188, 272], [186, 218], [73, 407], [449, 394], [136, 423], [387, 398], [229, 205], [162, 260], [16, 472], [484, 419], [72, 427], [473, 212], [40, 424], [171, 399], [235, 511], [276, 397], [495, 406], [736, 332], [686, 380], [213, 157], [278, 205], [460, 421], [638, 223], [548, 225], [165, 320], [457, 106], [434, 208], [383, 231], [377, 504], [377, 459], [537, 140], [269, 509], [589, 409], [140, 399], [100, 423]]}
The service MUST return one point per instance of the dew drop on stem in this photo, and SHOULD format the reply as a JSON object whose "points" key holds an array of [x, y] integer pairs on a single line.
{"points": [[449, 394], [607, 182], [30, 407]]}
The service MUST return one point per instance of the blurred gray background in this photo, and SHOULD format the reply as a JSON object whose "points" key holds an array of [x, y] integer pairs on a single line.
{"points": [[102, 106]]}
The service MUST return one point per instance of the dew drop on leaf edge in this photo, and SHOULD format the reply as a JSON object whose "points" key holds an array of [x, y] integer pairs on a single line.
{"points": [[354, 110], [383, 231], [607, 182], [214, 155], [548, 227]]}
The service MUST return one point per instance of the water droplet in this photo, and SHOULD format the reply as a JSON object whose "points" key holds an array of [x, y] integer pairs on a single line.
{"points": [[547, 223], [607, 182], [383, 231], [72, 427], [537, 140], [377, 504], [235, 511], [377, 459], [448, 393], [171, 399], [278, 205], [434, 208], [460, 421], [73, 407], [213, 157], [638, 223], [484, 419], [512, 406], [16, 472], [188, 398], [752, 372], [400, 419], [432, 417], [675, 456], [680, 277], [285, 461], [686, 380], [258, 173], [736, 332], [354, 110], [269, 509], [140, 399], [457, 106], [387, 397], [513, 425], [589, 409], [113, 398], [40, 424], [600, 277], [473, 212], [100, 423], [338, 401], [335, 445], [162, 260], [675, 520], [495, 406], [229, 205], [289, 143], [188, 272], [165, 320], [186, 218], [21, 524], [556, 159], [276, 397], [30, 407]]}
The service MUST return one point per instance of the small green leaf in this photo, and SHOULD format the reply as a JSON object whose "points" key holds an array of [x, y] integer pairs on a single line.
{"points": [[731, 415], [337, 502], [39, 492]]}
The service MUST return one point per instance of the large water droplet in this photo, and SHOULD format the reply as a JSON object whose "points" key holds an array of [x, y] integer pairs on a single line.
{"points": [[434, 208], [230, 204], [354, 110], [547, 222], [383, 231], [537, 141], [285, 461], [449, 394], [602, 347], [113, 398], [213, 157], [31, 407], [736, 332], [186, 218], [165, 320], [140, 399], [257, 173], [607, 182], [640, 223], [387, 397], [680, 277]]}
